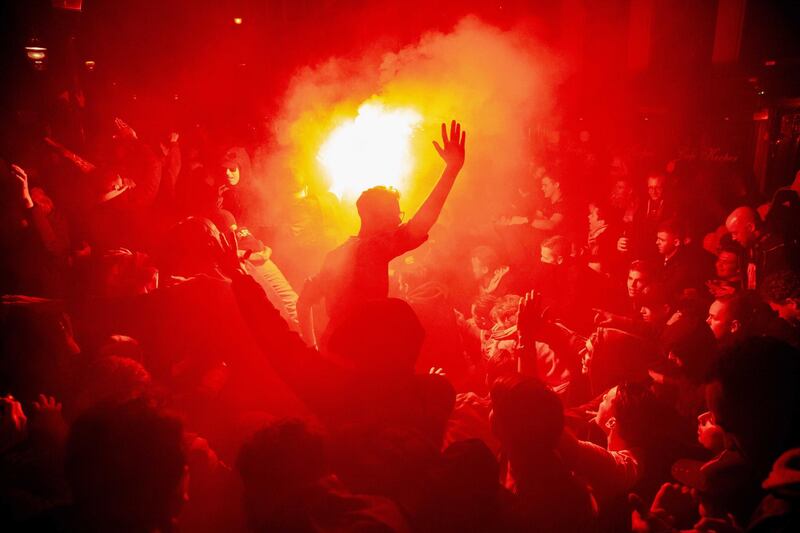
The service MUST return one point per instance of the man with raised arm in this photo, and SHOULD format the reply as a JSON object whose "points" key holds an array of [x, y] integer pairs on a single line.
{"points": [[357, 271], [367, 380]]}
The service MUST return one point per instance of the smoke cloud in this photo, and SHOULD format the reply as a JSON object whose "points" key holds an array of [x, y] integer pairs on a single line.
{"points": [[498, 83]]}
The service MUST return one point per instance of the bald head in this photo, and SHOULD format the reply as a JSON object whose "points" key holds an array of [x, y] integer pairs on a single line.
{"points": [[741, 224]]}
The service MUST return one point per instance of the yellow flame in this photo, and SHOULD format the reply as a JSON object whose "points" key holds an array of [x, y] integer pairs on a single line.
{"points": [[374, 148]]}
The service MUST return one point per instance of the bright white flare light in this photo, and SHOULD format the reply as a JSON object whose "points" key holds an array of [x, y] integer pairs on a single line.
{"points": [[372, 149]]}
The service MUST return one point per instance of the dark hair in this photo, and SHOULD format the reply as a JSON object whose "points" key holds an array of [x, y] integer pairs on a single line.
{"points": [[671, 226], [124, 464], [559, 244], [376, 200], [531, 415], [636, 408], [642, 266], [114, 378], [284, 454], [780, 286], [656, 294], [190, 247], [729, 246], [748, 308], [468, 485], [690, 340]]}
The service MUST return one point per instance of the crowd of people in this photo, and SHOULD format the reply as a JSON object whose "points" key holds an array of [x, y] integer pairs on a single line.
{"points": [[615, 363]]}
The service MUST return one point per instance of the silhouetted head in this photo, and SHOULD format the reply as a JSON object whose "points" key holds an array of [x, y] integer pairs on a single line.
{"points": [[125, 465], [379, 209], [112, 379], [754, 397], [526, 415], [614, 356], [383, 336], [468, 486], [691, 345], [190, 247], [276, 465]]}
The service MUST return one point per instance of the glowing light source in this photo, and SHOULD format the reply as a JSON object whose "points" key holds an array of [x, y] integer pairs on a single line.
{"points": [[372, 149], [237, 20], [36, 53]]}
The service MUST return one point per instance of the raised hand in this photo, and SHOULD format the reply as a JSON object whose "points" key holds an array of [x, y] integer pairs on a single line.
{"points": [[125, 131], [13, 423], [47, 420], [530, 315], [21, 178], [452, 149]]}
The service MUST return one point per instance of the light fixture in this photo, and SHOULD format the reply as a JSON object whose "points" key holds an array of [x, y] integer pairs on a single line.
{"points": [[36, 53]]}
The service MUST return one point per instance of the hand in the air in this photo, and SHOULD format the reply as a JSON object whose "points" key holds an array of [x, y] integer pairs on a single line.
{"points": [[22, 183], [47, 420], [125, 131], [452, 148], [530, 315]]}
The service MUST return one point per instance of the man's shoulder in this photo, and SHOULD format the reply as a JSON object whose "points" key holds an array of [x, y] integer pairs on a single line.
{"points": [[342, 249], [770, 242]]}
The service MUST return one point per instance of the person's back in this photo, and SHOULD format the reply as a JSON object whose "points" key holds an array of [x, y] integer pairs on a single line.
{"points": [[357, 270], [468, 494], [125, 465], [367, 377], [528, 419]]}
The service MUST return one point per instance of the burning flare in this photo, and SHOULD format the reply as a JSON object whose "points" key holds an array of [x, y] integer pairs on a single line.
{"points": [[371, 149]]}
